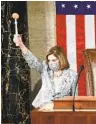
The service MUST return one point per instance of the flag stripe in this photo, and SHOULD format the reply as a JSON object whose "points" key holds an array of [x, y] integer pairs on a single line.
{"points": [[89, 31], [80, 46], [76, 31], [61, 31], [71, 41]]}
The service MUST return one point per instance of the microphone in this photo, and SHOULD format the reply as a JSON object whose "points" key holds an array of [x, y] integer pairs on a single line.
{"points": [[79, 72]]}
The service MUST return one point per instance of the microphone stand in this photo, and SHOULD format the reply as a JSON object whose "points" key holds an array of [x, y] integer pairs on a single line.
{"points": [[79, 72]]}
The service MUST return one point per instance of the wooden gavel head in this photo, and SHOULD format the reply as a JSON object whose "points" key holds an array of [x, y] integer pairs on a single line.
{"points": [[15, 16]]}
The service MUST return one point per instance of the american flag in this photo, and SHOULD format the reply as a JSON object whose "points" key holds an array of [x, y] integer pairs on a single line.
{"points": [[76, 31]]}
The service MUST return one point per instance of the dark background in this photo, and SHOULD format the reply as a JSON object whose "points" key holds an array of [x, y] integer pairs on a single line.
{"points": [[15, 78]]}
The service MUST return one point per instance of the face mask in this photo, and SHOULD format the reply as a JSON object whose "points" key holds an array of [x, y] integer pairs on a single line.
{"points": [[54, 66]]}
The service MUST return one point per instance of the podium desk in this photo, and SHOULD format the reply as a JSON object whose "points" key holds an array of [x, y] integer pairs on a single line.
{"points": [[80, 102], [85, 112]]}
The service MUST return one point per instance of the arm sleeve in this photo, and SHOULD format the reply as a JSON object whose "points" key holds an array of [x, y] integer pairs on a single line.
{"points": [[74, 87], [33, 61]]}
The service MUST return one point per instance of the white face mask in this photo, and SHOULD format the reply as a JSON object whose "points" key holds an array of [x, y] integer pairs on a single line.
{"points": [[54, 66]]}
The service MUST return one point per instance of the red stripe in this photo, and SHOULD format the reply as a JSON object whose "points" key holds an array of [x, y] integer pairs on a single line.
{"points": [[80, 46], [61, 31], [95, 29]]}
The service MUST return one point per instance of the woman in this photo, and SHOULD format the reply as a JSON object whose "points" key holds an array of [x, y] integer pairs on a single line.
{"points": [[58, 80]]}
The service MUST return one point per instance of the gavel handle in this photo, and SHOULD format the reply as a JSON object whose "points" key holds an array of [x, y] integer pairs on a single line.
{"points": [[16, 29]]}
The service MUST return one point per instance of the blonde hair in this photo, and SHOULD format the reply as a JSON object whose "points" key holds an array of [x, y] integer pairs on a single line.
{"points": [[60, 55]]}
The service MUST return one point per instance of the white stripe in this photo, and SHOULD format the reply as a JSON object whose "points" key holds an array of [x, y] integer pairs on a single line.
{"points": [[71, 41], [89, 31]]}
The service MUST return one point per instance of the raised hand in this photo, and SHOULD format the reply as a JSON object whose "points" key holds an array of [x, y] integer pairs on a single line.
{"points": [[18, 40]]}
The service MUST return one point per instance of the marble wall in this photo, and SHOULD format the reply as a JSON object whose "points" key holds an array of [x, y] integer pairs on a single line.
{"points": [[37, 26], [15, 79], [42, 32]]}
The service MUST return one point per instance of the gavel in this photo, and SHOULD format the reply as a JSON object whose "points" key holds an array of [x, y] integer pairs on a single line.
{"points": [[15, 16]]}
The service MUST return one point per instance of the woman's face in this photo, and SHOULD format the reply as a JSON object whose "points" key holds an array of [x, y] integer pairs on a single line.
{"points": [[53, 62]]}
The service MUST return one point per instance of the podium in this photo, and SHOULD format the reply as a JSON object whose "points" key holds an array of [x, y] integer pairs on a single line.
{"points": [[85, 112], [81, 103]]}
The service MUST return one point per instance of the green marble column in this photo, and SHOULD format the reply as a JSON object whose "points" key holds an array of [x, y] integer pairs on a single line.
{"points": [[15, 79]]}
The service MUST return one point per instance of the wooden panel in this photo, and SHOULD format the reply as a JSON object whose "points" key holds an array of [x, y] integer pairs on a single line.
{"points": [[81, 102], [63, 117], [80, 119], [48, 119], [92, 119]]}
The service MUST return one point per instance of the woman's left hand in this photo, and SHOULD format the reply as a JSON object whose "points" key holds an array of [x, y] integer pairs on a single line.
{"points": [[47, 106]]}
